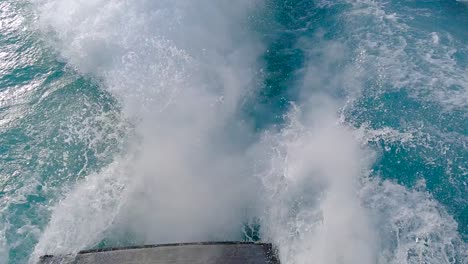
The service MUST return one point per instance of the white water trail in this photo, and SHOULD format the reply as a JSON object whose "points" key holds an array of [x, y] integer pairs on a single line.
{"points": [[322, 203], [314, 171], [313, 211], [180, 69]]}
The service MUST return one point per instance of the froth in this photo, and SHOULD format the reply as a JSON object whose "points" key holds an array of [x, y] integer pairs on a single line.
{"points": [[179, 74], [180, 70], [311, 178], [414, 228]]}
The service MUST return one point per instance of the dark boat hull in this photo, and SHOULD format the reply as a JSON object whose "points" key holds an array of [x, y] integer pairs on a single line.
{"points": [[193, 253]]}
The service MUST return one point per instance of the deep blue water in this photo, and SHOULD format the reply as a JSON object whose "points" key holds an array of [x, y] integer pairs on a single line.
{"points": [[335, 129]]}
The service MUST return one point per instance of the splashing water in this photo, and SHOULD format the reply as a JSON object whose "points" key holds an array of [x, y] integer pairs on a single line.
{"points": [[334, 129]]}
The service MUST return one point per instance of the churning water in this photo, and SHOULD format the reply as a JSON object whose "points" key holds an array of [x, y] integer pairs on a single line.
{"points": [[337, 130]]}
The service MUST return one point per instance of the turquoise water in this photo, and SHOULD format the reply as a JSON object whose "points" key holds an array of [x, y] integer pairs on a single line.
{"points": [[335, 129]]}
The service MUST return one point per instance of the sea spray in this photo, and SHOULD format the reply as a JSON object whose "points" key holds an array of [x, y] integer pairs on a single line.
{"points": [[336, 128], [180, 78]]}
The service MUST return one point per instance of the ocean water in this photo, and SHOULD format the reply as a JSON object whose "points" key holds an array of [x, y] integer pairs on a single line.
{"points": [[337, 130]]}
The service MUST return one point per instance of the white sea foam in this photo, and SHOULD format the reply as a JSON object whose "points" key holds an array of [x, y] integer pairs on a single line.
{"points": [[320, 202], [311, 176], [79, 220], [180, 70], [401, 58]]}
